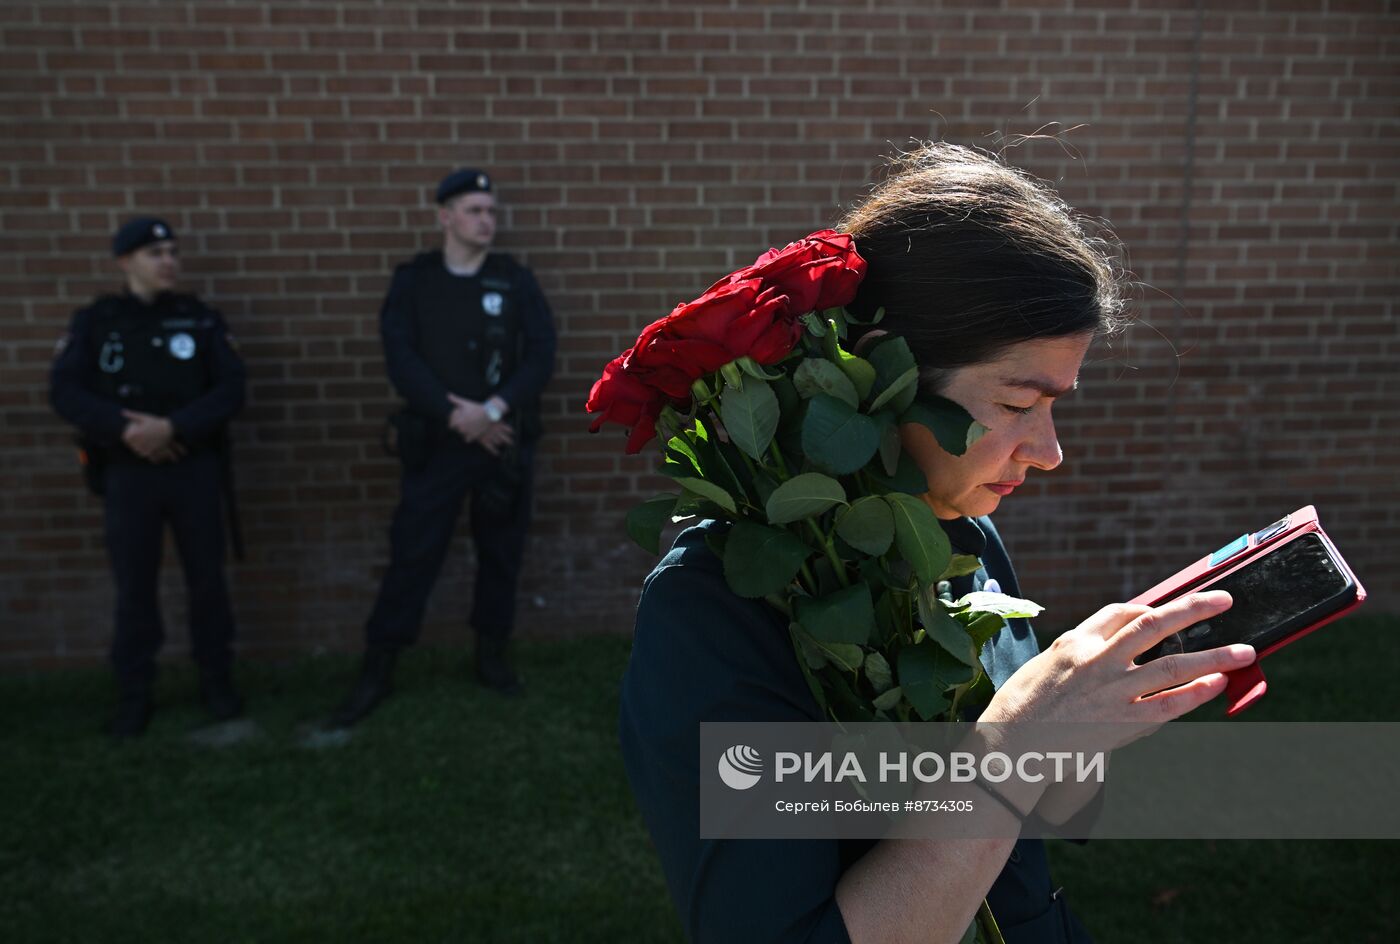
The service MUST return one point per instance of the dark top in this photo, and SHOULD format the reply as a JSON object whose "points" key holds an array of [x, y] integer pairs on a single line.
{"points": [[171, 358], [702, 653], [473, 336]]}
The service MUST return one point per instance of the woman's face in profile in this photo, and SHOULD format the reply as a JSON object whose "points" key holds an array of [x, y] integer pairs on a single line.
{"points": [[1012, 397]]}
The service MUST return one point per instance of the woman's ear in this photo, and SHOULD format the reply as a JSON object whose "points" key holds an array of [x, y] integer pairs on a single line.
{"points": [[868, 338]]}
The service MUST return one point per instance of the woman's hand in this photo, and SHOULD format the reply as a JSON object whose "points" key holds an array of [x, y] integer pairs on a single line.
{"points": [[1085, 693], [1088, 674]]}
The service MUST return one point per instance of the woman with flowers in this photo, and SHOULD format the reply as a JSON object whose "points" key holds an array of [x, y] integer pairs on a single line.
{"points": [[844, 415]]}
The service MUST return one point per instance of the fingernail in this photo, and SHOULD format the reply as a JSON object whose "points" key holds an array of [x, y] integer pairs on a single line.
{"points": [[1242, 653]]}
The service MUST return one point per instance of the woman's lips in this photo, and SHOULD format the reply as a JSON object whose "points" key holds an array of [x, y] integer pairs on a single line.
{"points": [[1003, 488]]}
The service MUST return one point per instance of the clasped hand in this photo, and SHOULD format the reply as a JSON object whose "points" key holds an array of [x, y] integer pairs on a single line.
{"points": [[151, 437], [469, 420]]}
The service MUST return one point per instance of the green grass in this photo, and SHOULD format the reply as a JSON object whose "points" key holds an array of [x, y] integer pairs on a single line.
{"points": [[452, 815], [455, 815], [1294, 891]]}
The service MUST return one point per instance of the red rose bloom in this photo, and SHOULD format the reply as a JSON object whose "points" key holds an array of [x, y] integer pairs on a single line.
{"points": [[751, 313], [817, 272], [728, 322], [619, 398]]}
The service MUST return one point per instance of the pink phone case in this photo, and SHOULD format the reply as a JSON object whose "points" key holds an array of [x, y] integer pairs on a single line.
{"points": [[1247, 685]]}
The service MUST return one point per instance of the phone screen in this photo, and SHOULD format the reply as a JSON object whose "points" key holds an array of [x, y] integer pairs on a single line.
{"points": [[1275, 595]]}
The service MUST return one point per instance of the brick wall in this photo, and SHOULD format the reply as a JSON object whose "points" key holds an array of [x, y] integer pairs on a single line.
{"points": [[1248, 158]]}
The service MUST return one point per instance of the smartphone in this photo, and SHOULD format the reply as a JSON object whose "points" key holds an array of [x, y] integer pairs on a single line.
{"points": [[1287, 580]]}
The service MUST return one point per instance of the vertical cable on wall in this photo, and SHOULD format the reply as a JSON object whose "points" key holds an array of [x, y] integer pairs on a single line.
{"points": [[1183, 247]]}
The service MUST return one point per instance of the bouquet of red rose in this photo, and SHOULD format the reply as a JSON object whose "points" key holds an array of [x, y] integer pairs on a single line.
{"points": [[766, 420]]}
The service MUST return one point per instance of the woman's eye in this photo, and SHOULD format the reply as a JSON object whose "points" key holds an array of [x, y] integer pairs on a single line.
{"points": [[1020, 410]]}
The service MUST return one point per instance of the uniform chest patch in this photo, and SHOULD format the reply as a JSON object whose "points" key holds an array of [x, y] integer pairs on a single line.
{"points": [[111, 359], [181, 346], [492, 303]]}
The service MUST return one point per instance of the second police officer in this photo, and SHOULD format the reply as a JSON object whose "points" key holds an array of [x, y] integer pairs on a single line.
{"points": [[150, 378], [469, 344]]}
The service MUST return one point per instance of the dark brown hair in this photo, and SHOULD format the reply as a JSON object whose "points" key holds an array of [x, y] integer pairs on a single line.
{"points": [[968, 255]]}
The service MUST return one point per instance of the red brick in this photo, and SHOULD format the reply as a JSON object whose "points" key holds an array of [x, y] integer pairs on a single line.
{"points": [[642, 151]]}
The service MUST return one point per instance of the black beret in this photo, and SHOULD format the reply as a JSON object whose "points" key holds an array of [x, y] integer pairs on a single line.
{"points": [[139, 232], [466, 180]]}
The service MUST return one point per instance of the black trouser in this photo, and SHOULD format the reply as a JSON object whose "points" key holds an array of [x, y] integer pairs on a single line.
{"points": [[430, 501], [140, 499]]}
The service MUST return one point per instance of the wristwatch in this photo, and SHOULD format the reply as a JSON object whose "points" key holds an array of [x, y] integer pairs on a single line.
{"points": [[492, 411]]}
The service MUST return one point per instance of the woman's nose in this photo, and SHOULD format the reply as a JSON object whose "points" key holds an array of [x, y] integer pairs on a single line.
{"points": [[1042, 448]]}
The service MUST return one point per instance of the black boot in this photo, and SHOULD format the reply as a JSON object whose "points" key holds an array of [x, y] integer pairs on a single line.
{"points": [[493, 668], [217, 692], [133, 712], [372, 687]]}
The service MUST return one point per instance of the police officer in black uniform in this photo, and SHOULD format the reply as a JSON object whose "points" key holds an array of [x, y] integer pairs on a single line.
{"points": [[469, 343], [150, 378]]}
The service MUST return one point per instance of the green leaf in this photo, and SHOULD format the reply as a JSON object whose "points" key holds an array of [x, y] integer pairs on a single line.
{"points": [[926, 672], [804, 496], [844, 656], [908, 478], [952, 426], [976, 693], [681, 453], [803, 643], [645, 521], [790, 428], [983, 628], [815, 323], [848, 706], [709, 455], [715, 540], [867, 525], [859, 370], [889, 698], [816, 375], [846, 616], [905, 384], [711, 491], [960, 566], [765, 485], [733, 376], [893, 361], [811, 652], [878, 671], [873, 319], [759, 560], [735, 470], [890, 445], [789, 400], [836, 318], [754, 369], [918, 535], [950, 635], [837, 438], [998, 603], [750, 415]]}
